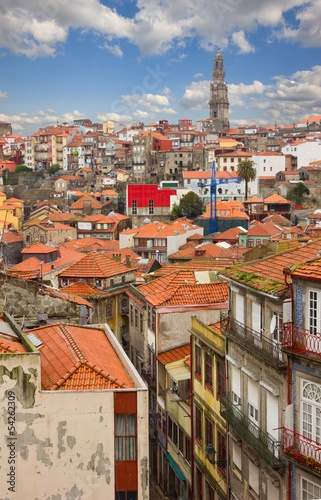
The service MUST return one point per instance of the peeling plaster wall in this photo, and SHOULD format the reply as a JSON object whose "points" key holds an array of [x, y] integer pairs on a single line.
{"points": [[64, 446]]}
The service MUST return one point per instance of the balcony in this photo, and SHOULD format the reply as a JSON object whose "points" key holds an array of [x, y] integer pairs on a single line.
{"points": [[254, 342], [301, 449], [124, 310], [300, 341], [262, 443], [148, 376]]}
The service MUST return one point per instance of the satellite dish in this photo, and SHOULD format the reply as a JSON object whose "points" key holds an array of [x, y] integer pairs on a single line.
{"points": [[273, 324]]}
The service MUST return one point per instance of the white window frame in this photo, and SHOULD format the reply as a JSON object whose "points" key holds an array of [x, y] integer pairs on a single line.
{"points": [[310, 411]]}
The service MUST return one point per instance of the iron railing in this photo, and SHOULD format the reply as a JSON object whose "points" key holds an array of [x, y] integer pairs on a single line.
{"points": [[267, 447], [302, 449], [253, 341], [301, 341]]}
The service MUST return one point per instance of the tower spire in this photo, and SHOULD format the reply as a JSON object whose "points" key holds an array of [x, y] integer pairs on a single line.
{"points": [[219, 104]]}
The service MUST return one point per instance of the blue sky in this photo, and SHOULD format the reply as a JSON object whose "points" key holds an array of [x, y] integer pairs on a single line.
{"points": [[145, 60]]}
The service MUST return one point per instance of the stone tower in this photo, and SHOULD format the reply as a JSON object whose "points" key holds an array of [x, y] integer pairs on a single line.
{"points": [[219, 105]]}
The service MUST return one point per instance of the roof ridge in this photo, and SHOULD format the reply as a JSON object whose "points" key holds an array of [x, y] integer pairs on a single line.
{"points": [[72, 343]]}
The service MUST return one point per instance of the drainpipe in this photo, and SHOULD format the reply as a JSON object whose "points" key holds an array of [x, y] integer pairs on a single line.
{"points": [[192, 422], [287, 273]]}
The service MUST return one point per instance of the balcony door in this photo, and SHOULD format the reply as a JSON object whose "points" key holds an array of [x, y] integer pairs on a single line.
{"points": [[311, 411]]}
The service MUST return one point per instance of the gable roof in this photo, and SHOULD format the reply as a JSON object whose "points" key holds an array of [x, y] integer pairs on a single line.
{"points": [[174, 354], [78, 358], [96, 265]]}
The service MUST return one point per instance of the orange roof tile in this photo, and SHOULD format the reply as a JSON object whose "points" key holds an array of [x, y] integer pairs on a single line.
{"points": [[174, 354], [9, 346], [266, 275], [275, 198], [78, 358], [96, 265]]}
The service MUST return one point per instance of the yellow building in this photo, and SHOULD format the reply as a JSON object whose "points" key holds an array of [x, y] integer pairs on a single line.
{"points": [[174, 423], [209, 428], [11, 212], [109, 127]]}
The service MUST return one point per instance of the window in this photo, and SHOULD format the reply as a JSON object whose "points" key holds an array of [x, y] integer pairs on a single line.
{"points": [[136, 318], [236, 385], [209, 370], [198, 419], [109, 310], [28, 239], [220, 378], [125, 437], [151, 207], [208, 432], [221, 452], [311, 411], [276, 335], [187, 449], [209, 492], [181, 440], [131, 314], [111, 282], [254, 480], [134, 207], [310, 490], [236, 459], [126, 495], [253, 401], [141, 327], [172, 431], [314, 311], [198, 361]]}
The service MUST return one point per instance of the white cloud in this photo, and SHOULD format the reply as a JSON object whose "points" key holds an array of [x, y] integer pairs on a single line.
{"points": [[126, 119], [29, 123], [198, 75], [3, 95], [244, 46], [285, 101], [38, 29], [196, 96], [115, 50]]}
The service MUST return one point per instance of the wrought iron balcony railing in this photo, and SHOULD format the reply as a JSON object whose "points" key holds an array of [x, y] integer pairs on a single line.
{"points": [[302, 449], [253, 341], [267, 447], [300, 341]]}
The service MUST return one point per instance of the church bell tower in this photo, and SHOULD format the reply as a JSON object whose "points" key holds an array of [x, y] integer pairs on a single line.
{"points": [[219, 105]]}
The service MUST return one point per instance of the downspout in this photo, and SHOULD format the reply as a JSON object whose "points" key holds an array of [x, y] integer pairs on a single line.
{"points": [[227, 427], [287, 273], [192, 421]]}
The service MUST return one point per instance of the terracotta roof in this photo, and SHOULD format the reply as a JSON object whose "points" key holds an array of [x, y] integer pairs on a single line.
{"points": [[10, 237], [96, 265], [275, 218], [174, 354], [266, 275], [79, 204], [308, 270], [208, 293], [78, 358], [254, 199], [32, 267], [89, 244], [9, 346], [39, 248], [229, 234], [275, 198], [265, 229]]}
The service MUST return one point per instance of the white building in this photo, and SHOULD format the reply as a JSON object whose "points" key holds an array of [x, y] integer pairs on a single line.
{"points": [[305, 151], [227, 189], [266, 163], [75, 416]]}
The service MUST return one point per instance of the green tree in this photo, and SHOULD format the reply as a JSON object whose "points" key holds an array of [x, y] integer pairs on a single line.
{"points": [[54, 168], [247, 171], [296, 193], [22, 168], [190, 206]]}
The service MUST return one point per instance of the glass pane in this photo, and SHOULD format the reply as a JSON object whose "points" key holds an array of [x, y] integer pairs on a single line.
{"points": [[131, 425], [120, 448], [120, 425], [131, 448]]}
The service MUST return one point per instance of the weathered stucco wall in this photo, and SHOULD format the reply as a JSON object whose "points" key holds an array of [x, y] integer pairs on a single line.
{"points": [[175, 326], [62, 442]]}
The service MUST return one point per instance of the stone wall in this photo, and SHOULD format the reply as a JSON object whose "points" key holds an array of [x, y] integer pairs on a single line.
{"points": [[23, 298]]}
